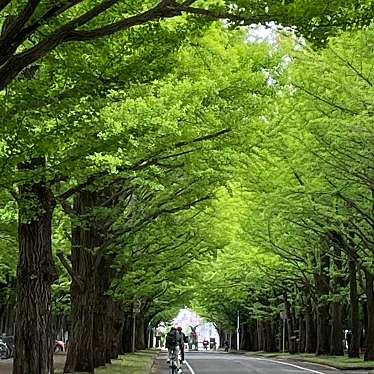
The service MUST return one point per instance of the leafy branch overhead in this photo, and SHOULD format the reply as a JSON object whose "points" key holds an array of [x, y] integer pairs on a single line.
{"points": [[32, 29]]}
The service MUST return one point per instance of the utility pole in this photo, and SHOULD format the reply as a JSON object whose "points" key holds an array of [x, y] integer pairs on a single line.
{"points": [[149, 335], [238, 332]]}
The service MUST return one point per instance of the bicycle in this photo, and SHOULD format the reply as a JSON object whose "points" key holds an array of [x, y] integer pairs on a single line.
{"points": [[173, 361]]}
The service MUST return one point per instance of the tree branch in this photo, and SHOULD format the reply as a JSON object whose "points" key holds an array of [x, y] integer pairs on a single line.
{"points": [[12, 65], [4, 3], [69, 269]]}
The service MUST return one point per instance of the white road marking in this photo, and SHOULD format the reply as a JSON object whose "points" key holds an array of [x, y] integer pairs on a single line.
{"points": [[192, 371], [293, 365]]}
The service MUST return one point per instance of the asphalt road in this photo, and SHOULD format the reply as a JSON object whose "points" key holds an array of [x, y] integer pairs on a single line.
{"points": [[223, 363], [7, 365]]}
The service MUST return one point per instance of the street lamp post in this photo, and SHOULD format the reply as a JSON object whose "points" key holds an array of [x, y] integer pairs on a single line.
{"points": [[238, 332]]}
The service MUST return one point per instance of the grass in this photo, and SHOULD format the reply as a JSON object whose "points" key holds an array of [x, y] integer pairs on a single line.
{"points": [[132, 363], [339, 362]]}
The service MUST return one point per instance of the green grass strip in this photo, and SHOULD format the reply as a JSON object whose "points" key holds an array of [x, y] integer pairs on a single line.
{"points": [[139, 362], [339, 362]]}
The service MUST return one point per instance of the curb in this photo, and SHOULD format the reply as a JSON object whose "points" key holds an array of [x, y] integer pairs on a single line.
{"points": [[149, 367]]}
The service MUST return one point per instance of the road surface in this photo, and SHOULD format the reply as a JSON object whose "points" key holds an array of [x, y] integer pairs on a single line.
{"points": [[224, 363], [7, 365]]}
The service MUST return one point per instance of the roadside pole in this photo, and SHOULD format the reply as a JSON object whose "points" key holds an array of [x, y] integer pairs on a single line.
{"points": [[238, 332], [149, 335], [283, 317]]}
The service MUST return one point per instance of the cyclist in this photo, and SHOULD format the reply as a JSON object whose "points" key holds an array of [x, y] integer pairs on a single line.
{"points": [[184, 340], [173, 342]]}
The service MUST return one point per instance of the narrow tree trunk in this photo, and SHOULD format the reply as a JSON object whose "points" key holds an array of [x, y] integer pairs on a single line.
{"points": [[302, 334], [260, 336], [290, 325], [336, 307], [322, 288], [369, 351], [35, 274], [355, 315]]}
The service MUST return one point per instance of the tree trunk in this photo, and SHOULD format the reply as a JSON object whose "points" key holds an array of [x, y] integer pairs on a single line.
{"points": [[290, 325], [80, 356], [260, 336], [336, 335], [116, 328], [302, 334], [354, 350], [221, 334], [336, 306], [322, 281], [369, 351], [35, 274], [127, 333], [269, 336], [310, 330], [101, 344]]}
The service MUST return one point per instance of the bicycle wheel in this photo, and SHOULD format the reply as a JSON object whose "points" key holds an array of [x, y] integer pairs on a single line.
{"points": [[173, 364]]}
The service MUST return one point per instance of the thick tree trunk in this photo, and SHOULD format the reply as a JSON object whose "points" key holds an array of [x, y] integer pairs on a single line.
{"points": [[336, 335], [116, 327], [246, 337], [354, 350], [35, 274], [269, 336], [127, 333], [101, 343], [369, 350], [80, 356], [310, 331], [221, 334], [140, 332]]}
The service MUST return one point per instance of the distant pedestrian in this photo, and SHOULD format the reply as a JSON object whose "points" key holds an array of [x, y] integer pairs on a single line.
{"points": [[226, 345]]}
